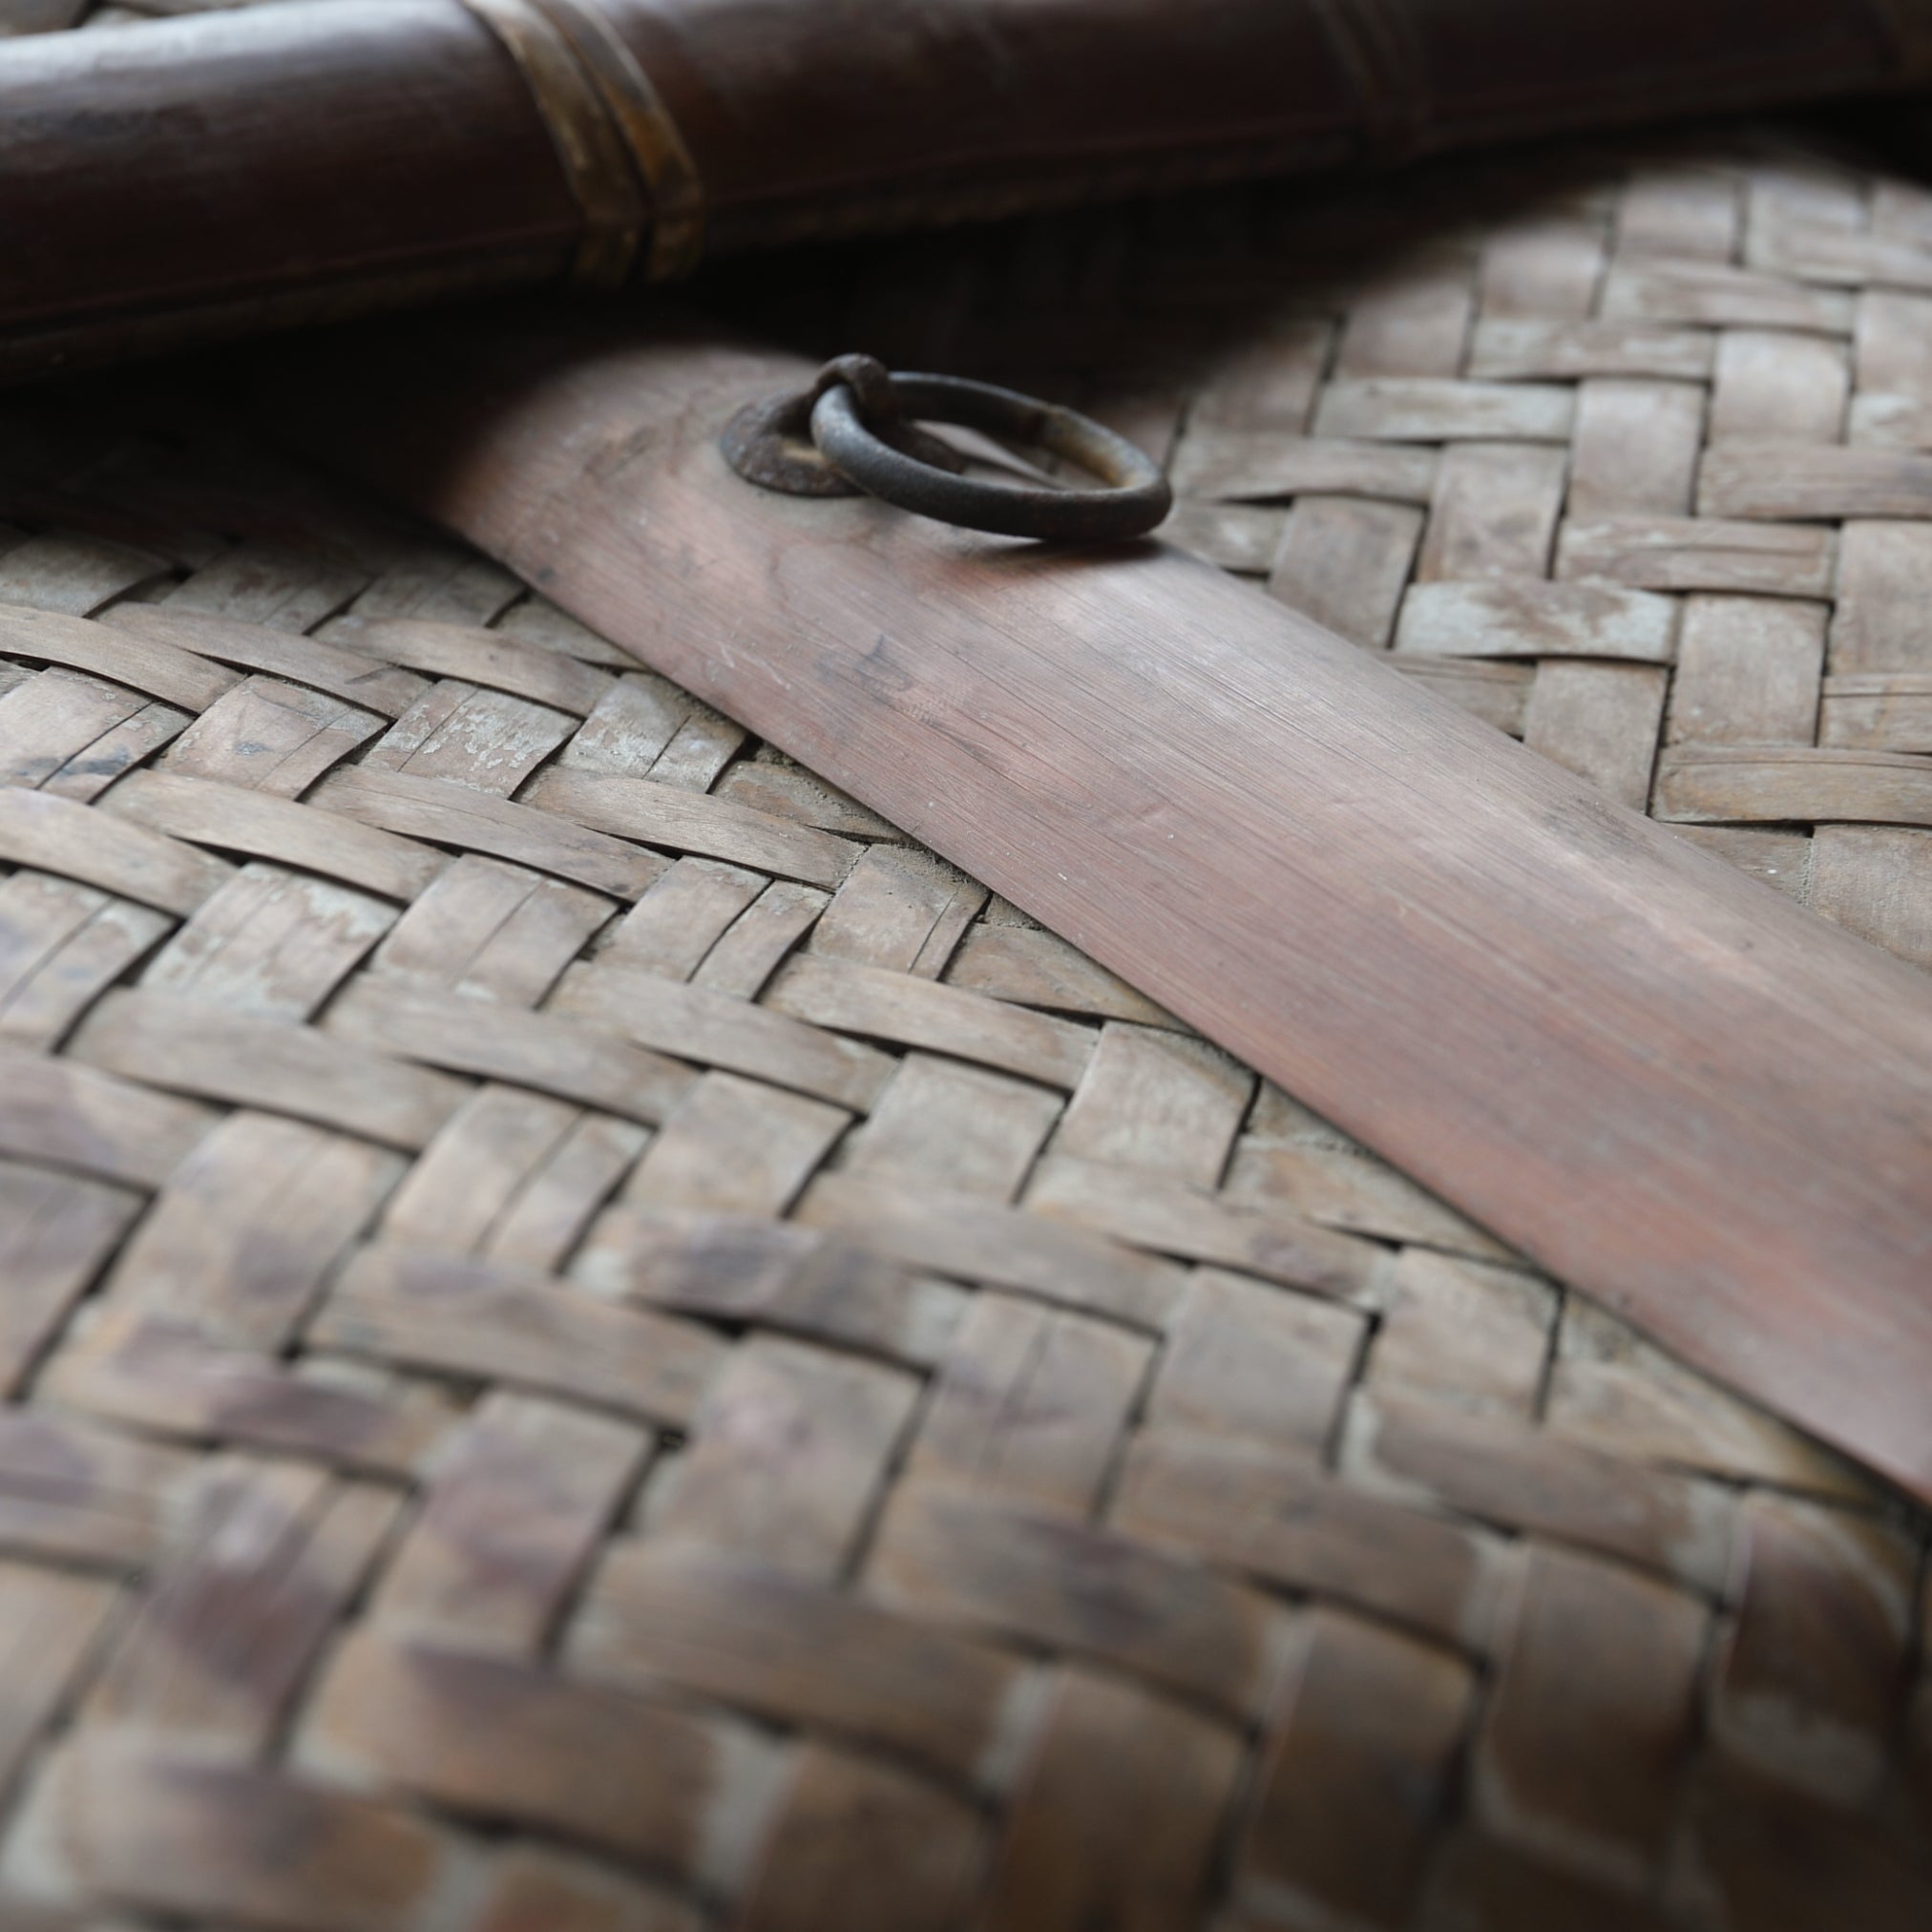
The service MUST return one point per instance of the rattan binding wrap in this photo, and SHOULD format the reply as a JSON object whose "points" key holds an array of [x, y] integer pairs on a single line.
{"points": [[627, 164], [715, 1376]]}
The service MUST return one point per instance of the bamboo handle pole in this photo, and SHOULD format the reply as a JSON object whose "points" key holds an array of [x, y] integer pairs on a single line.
{"points": [[215, 175]]}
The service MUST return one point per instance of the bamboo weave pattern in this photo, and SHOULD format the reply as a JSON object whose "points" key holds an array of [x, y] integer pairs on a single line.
{"points": [[593, 1339]]}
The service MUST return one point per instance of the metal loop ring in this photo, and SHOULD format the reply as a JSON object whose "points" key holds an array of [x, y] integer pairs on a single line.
{"points": [[884, 458], [1136, 497], [769, 441]]}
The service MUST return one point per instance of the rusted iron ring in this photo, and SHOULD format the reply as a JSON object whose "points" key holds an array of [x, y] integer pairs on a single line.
{"points": [[859, 420], [770, 443]]}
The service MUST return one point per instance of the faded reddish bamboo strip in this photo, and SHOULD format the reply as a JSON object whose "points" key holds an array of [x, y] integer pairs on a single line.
{"points": [[1656, 1077]]}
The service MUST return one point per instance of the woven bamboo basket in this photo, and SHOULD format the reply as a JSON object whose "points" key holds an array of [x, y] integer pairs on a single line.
{"points": [[552, 1382]]}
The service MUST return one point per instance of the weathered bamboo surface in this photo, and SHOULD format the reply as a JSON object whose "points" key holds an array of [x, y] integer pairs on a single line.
{"points": [[596, 1339], [176, 178]]}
